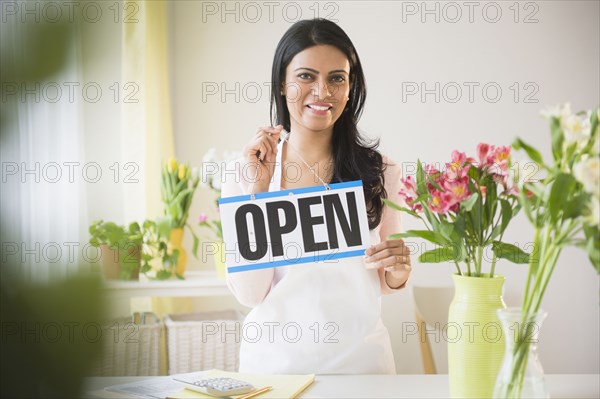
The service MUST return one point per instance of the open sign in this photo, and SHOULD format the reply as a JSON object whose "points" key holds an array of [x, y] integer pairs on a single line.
{"points": [[291, 227]]}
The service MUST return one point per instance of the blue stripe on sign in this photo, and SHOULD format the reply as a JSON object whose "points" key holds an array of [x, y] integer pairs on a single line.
{"points": [[304, 190], [292, 262]]}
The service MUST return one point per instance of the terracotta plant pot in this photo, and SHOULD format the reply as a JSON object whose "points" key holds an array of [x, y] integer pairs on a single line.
{"points": [[115, 265]]}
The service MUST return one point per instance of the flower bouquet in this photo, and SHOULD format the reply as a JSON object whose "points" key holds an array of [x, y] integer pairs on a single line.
{"points": [[564, 209], [465, 208]]}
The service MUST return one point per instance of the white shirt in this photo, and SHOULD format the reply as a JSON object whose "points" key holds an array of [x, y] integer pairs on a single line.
{"points": [[321, 317]]}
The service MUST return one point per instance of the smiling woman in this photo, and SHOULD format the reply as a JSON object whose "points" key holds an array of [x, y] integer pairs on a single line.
{"points": [[318, 95]]}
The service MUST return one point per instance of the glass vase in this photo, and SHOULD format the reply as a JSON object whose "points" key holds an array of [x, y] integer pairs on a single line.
{"points": [[521, 374]]}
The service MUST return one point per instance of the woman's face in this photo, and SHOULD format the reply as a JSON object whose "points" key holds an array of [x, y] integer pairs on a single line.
{"points": [[317, 85]]}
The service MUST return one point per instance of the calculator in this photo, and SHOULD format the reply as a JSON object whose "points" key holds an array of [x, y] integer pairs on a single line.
{"points": [[221, 386]]}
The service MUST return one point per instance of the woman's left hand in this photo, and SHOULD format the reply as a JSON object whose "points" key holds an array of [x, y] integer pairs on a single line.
{"points": [[394, 257]]}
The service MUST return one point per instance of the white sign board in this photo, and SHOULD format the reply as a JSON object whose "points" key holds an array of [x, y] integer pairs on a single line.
{"points": [[290, 227]]}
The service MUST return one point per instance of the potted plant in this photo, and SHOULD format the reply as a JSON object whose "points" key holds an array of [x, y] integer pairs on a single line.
{"points": [[466, 209], [178, 184], [564, 208], [120, 249]]}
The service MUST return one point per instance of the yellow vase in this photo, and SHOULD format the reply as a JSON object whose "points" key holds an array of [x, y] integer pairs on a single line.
{"points": [[474, 336], [176, 242], [219, 258]]}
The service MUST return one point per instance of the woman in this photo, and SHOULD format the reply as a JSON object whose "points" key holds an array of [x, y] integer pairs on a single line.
{"points": [[325, 317]]}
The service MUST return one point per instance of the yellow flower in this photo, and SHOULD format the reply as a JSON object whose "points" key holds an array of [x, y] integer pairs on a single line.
{"points": [[182, 171], [172, 165]]}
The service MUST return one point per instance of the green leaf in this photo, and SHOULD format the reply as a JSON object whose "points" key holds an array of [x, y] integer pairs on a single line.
{"points": [[428, 235], [594, 253], [163, 274], [510, 252], [473, 174], [468, 204], [431, 217], [557, 139], [507, 214], [195, 245], [459, 226], [421, 179], [594, 129], [487, 204], [533, 154], [576, 206], [146, 268], [164, 225], [446, 229], [559, 194], [399, 208], [431, 181], [438, 255]]}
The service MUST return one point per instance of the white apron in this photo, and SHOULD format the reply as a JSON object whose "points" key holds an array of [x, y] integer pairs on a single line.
{"points": [[322, 318]]}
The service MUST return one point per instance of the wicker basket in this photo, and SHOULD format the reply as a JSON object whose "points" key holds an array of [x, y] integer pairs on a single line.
{"points": [[130, 349], [203, 341]]}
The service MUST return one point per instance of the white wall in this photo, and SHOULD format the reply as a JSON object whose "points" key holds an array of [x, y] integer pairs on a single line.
{"points": [[558, 56]]}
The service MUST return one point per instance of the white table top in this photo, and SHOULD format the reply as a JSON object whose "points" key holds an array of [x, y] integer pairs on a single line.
{"points": [[400, 386]]}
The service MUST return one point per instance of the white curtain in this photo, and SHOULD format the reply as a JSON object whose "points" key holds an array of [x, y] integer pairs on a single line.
{"points": [[43, 197]]}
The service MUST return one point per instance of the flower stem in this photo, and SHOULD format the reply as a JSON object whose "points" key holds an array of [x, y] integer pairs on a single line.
{"points": [[458, 268], [479, 260], [494, 259]]}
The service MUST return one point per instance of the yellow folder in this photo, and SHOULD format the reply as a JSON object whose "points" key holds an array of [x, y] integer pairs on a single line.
{"points": [[284, 385]]}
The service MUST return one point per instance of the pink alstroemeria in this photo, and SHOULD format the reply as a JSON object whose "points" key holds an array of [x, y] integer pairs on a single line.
{"points": [[483, 152], [202, 218], [408, 193], [459, 167], [458, 189], [441, 202], [498, 161], [430, 169]]}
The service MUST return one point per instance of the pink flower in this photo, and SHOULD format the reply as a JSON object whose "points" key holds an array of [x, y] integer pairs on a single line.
{"points": [[408, 193], [430, 169], [458, 189], [459, 167], [484, 151], [202, 218], [440, 202], [498, 161]]}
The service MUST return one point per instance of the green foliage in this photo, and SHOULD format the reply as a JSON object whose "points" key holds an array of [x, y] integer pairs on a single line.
{"points": [[472, 224], [126, 241]]}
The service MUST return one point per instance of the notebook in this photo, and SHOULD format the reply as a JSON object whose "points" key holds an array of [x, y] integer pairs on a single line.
{"points": [[284, 385]]}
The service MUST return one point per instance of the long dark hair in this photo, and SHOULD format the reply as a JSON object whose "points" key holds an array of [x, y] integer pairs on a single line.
{"points": [[354, 156]]}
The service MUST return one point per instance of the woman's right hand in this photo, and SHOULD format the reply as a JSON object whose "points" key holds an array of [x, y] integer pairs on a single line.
{"points": [[261, 153]]}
